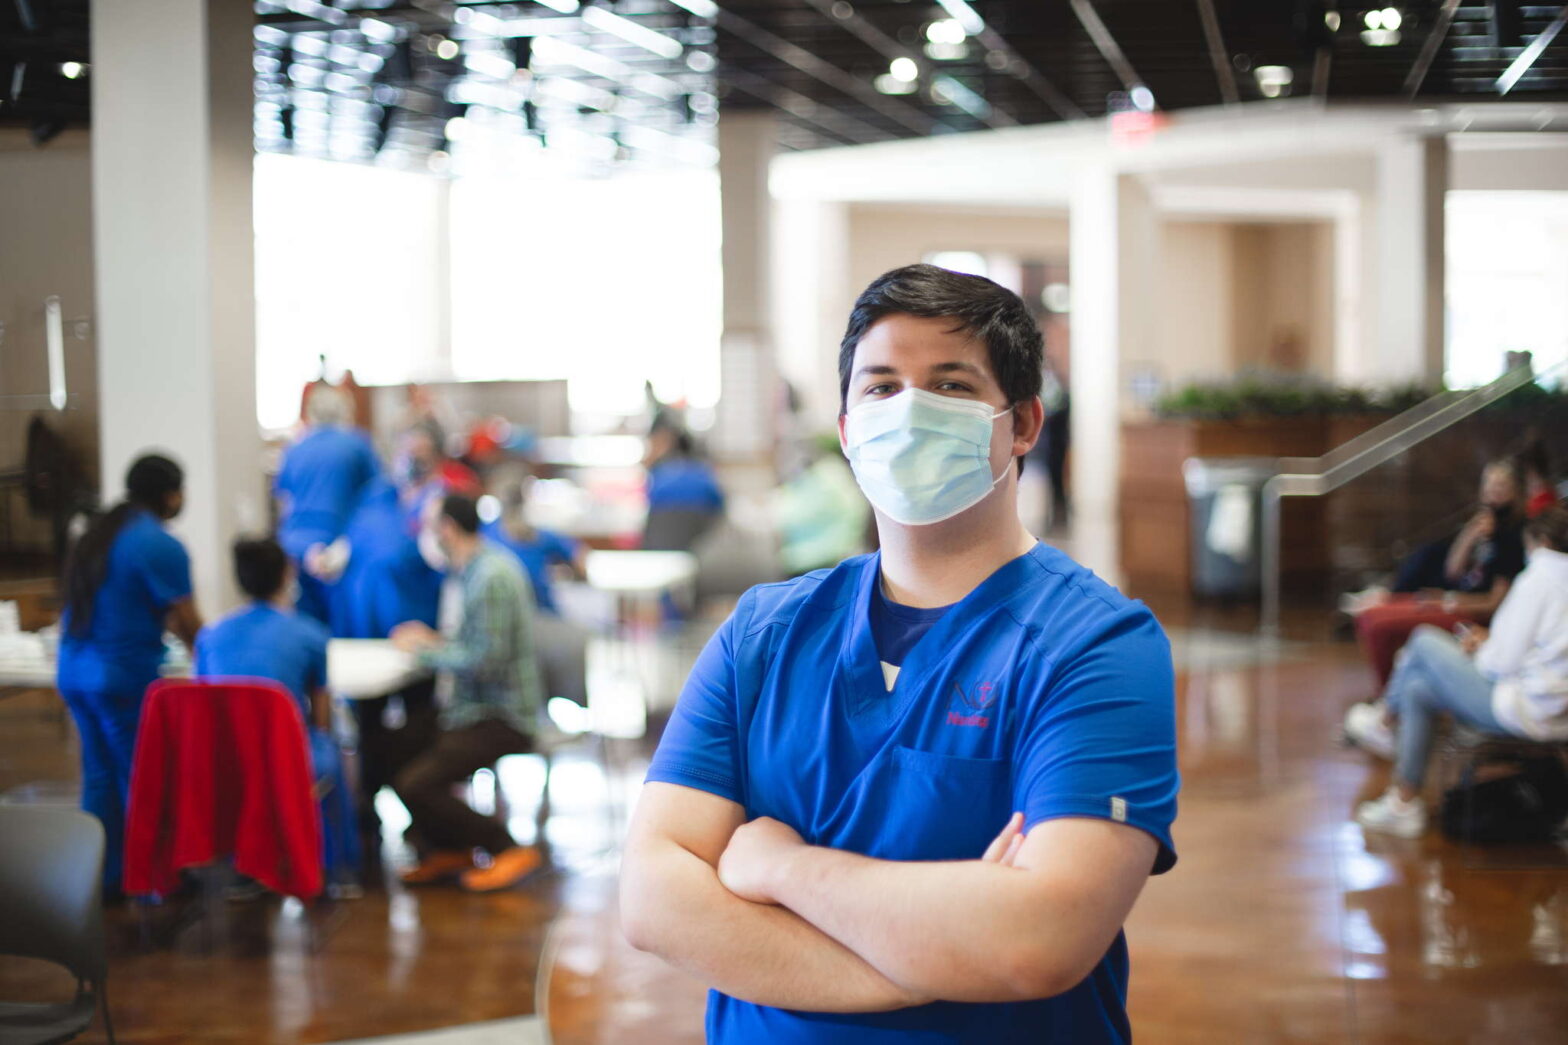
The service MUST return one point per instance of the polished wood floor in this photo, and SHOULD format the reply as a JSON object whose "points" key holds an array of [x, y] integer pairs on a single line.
{"points": [[1281, 923]]}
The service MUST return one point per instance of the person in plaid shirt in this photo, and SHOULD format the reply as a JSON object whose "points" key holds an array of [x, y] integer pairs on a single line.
{"points": [[496, 700]]}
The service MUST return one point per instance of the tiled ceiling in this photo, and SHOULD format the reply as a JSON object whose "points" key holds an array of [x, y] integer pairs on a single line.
{"points": [[840, 71]]}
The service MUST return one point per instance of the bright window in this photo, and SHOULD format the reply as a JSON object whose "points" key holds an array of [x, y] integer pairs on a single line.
{"points": [[346, 264], [606, 282], [1507, 267]]}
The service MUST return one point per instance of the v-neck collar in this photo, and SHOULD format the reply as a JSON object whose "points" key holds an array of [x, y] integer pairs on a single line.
{"points": [[866, 686]]}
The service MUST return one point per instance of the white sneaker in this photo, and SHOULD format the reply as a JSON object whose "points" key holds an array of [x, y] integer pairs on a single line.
{"points": [[1393, 815], [1356, 602], [1367, 727]]}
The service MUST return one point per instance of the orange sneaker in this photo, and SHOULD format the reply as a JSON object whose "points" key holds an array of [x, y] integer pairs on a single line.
{"points": [[507, 868], [439, 866]]}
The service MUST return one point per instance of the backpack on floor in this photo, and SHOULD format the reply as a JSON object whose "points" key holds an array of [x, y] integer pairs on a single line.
{"points": [[1527, 806]]}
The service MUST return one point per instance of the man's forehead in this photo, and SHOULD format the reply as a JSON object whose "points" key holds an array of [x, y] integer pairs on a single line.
{"points": [[920, 343]]}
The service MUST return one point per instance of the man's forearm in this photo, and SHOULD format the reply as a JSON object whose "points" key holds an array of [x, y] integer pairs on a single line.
{"points": [[959, 931], [673, 905]]}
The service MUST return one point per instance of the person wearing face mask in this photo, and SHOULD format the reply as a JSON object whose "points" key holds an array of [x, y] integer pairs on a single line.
{"points": [[913, 797], [270, 639], [495, 707], [1509, 680], [1463, 580], [126, 580]]}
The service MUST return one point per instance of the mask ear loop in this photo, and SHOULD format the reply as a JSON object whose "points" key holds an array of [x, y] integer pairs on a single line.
{"points": [[1010, 461]]}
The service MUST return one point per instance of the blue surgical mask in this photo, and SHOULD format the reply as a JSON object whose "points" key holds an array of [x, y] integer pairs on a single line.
{"points": [[920, 457]]}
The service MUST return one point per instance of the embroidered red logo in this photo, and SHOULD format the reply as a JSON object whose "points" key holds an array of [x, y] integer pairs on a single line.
{"points": [[966, 710]]}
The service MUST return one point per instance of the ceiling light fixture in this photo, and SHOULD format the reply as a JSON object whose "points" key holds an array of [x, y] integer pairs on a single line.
{"points": [[606, 21], [964, 15], [566, 7], [1274, 80], [700, 8], [904, 69], [72, 70]]}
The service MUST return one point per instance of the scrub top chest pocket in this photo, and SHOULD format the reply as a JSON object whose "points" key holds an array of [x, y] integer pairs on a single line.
{"points": [[941, 807]]}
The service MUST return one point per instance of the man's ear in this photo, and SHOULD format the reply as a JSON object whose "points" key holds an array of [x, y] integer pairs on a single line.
{"points": [[843, 441]]}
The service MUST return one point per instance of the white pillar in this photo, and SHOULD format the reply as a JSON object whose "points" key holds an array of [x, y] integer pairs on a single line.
{"points": [[1114, 255], [173, 252], [744, 428], [1412, 180], [811, 301]]}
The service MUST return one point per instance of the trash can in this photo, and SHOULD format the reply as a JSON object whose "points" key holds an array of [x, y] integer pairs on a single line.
{"points": [[1225, 498]]}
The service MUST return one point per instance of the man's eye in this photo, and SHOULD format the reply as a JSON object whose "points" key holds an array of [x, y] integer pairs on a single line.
{"points": [[953, 386], [877, 390]]}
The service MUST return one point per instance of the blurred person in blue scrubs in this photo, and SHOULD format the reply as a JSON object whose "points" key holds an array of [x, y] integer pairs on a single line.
{"points": [[268, 639], [385, 581], [560, 645], [684, 496], [913, 798], [318, 485], [126, 580]]}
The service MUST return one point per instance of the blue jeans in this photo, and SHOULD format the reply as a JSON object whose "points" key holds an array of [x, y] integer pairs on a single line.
{"points": [[1434, 675], [106, 724]]}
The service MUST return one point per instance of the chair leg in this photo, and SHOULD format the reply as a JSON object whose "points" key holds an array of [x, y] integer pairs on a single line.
{"points": [[103, 1005]]}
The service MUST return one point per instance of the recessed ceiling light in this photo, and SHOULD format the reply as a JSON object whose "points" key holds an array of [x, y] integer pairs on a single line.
{"points": [[904, 69]]}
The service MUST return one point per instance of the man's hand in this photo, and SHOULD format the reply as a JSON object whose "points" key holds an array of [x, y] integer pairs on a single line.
{"points": [[412, 636], [1482, 524], [1472, 638], [756, 852]]}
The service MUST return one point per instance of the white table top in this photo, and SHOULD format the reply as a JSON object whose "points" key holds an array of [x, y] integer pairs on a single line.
{"points": [[357, 669], [362, 669], [639, 572]]}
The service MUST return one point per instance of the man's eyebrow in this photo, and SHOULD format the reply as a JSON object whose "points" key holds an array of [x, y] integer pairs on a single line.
{"points": [[943, 368], [875, 369]]}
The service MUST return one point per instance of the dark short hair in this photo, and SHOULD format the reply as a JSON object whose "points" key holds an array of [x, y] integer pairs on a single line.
{"points": [[150, 480], [463, 511], [1550, 528], [259, 566], [984, 310]]}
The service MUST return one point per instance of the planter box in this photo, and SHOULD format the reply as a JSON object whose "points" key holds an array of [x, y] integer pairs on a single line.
{"points": [[1155, 521]]}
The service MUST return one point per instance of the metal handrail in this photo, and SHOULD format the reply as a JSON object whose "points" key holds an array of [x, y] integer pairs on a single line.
{"points": [[1316, 476]]}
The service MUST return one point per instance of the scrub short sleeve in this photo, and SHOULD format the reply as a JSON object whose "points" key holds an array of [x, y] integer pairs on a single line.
{"points": [[203, 652], [166, 570], [701, 744], [1101, 741]]}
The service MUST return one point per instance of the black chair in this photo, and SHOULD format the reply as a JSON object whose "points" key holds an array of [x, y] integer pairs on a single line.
{"points": [[1466, 750], [51, 908]]}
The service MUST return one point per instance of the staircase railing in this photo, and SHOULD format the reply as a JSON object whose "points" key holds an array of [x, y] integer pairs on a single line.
{"points": [[1316, 476]]}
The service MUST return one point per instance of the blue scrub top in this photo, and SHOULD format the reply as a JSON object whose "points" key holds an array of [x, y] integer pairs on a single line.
{"points": [[148, 572], [261, 641], [1044, 690], [537, 555], [322, 475], [683, 483], [386, 581]]}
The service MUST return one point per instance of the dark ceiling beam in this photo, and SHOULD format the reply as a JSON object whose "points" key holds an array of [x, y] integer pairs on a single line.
{"points": [[846, 128], [1106, 44], [1217, 54], [1521, 65], [903, 114], [1434, 39], [890, 49], [1019, 67]]}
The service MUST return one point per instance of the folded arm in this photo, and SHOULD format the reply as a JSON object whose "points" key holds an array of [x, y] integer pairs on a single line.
{"points": [[965, 930], [673, 905]]}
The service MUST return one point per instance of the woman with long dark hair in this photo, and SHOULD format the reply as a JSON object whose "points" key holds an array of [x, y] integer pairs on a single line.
{"points": [[126, 580]]}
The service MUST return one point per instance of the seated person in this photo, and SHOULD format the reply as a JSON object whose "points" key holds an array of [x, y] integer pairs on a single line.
{"points": [[268, 639], [1517, 683], [561, 645], [1444, 584], [684, 498], [494, 710], [539, 551]]}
